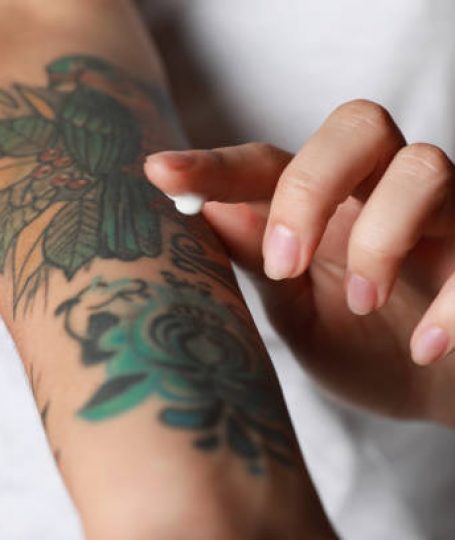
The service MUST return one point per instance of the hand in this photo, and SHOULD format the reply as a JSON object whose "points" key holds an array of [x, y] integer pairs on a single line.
{"points": [[357, 231]]}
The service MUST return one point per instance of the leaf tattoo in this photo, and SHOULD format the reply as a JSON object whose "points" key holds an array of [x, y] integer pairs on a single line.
{"points": [[71, 238], [71, 182]]}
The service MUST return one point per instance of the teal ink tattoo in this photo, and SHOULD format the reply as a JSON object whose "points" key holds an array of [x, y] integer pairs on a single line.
{"points": [[177, 343]]}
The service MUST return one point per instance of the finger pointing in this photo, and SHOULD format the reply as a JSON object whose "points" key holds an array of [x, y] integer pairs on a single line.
{"points": [[247, 172]]}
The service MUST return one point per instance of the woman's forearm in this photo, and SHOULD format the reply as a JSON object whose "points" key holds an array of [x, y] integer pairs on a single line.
{"points": [[156, 393]]}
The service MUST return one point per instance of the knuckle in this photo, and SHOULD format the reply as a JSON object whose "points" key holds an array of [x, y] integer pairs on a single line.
{"points": [[376, 252], [300, 183], [373, 243], [304, 187], [362, 113], [260, 148], [423, 158], [218, 165], [269, 155], [216, 156]]}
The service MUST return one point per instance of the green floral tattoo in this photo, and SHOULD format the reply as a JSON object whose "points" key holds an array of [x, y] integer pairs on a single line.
{"points": [[181, 345], [71, 180], [72, 189]]}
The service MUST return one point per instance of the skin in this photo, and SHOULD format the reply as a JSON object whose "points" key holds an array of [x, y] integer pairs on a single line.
{"points": [[358, 279], [157, 395]]}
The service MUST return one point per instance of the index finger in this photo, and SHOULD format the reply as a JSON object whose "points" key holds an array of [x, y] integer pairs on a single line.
{"points": [[243, 173]]}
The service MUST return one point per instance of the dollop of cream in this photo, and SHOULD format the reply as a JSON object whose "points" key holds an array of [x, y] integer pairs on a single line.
{"points": [[189, 204]]}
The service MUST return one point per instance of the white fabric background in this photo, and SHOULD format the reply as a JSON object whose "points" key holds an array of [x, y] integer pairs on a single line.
{"points": [[272, 70]]}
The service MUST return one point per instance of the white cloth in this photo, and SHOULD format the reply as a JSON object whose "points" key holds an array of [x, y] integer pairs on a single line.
{"points": [[272, 70]]}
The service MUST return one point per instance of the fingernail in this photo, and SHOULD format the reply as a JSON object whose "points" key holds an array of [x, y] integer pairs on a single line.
{"points": [[361, 295], [281, 252], [430, 345], [175, 160]]}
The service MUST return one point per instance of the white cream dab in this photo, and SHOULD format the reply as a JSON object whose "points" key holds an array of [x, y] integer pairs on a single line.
{"points": [[188, 203]]}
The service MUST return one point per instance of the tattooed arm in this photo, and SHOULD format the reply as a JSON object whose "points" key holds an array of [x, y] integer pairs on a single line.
{"points": [[155, 390]]}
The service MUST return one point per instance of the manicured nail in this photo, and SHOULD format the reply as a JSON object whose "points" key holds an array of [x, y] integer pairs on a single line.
{"points": [[430, 345], [361, 294], [175, 160], [281, 252]]}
